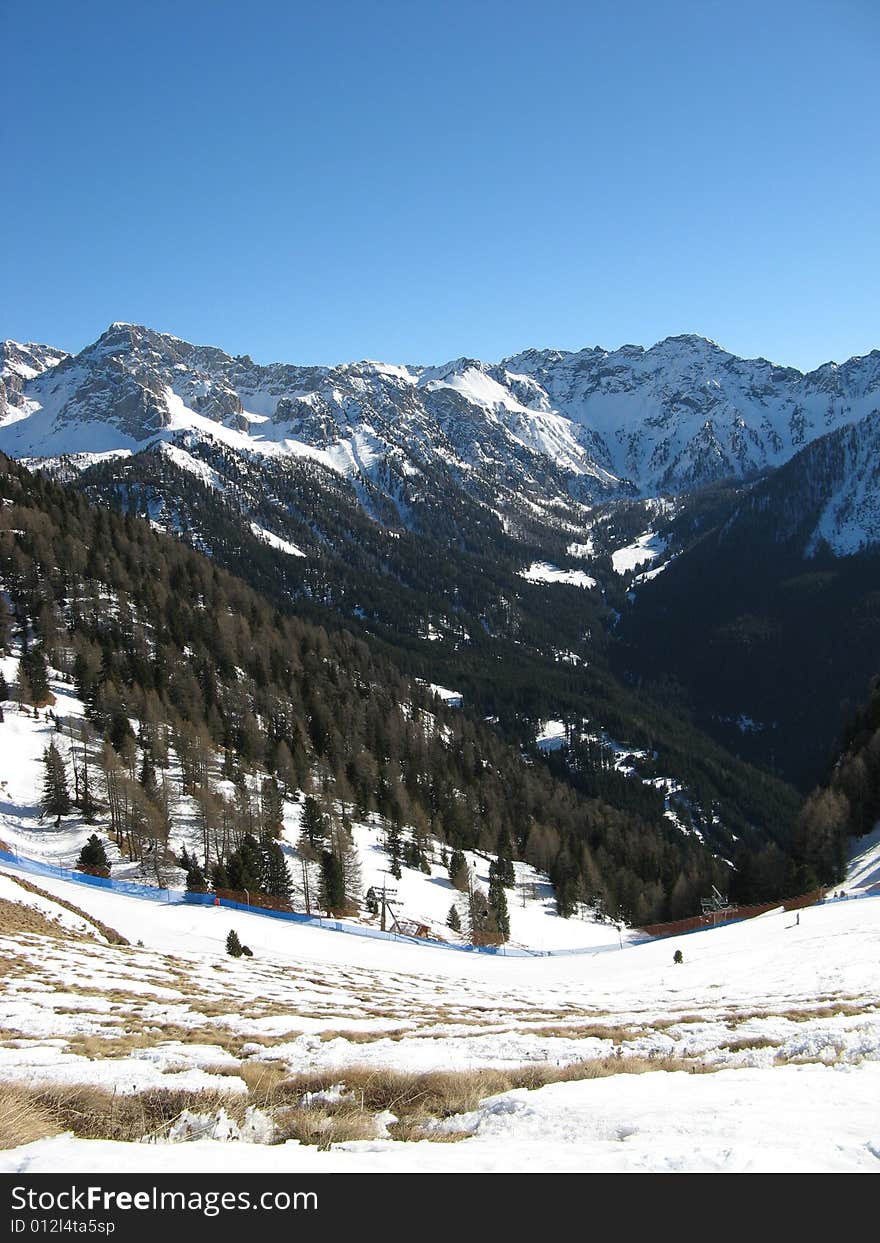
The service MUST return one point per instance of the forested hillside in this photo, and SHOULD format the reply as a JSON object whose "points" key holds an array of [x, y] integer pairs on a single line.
{"points": [[760, 634], [171, 653], [847, 804], [445, 600]]}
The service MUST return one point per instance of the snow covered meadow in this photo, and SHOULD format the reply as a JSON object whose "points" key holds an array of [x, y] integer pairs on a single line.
{"points": [[331, 1052], [760, 1051]]}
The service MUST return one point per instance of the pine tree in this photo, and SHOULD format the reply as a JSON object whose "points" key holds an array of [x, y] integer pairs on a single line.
{"points": [[56, 796], [331, 891], [147, 777], [245, 865], [276, 878], [5, 629], [271, 807], [371, 901], [219, 877], [394, 850], [498, 908], [86, 801], [34, 664], [479, 916], [23, 686], [504, 850], [453, 919], [195, 879], [233, 945], [93, 858], [458, 870], [314, 824]]}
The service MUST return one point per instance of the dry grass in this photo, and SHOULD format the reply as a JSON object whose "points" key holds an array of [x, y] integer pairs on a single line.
{"points": [[751, 1042], [617, 1035], [96, 1113], [114, 937], [98, 1047], [120, 1043], [263, 1080], [361, 1037], [439, 1094], [15, 917], [23, 1118], [30, 1112], [325, 1123], [663, 1024], [409, 1131]]}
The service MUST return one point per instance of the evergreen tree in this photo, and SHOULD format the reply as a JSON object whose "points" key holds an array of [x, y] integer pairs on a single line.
{"points": [[271, 807], [233, 945], [314, 824], [86, 801], [394, 850], [5, 630], [371, 901], [219, 877], [480, 926], [245, 865], [34, 664], [504, 851], [453, 919], [148, 777], [56, 796], [23, 686], [195, 879], [458, 870], [499, 910], [331, 891], [276, 877], [93, 858]]}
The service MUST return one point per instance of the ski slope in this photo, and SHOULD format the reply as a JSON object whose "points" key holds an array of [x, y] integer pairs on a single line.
{"points": [[780, 1015], [781, 1012]]}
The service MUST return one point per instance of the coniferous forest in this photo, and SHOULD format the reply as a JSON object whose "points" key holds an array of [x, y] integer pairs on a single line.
{"points": [[173, 654]]}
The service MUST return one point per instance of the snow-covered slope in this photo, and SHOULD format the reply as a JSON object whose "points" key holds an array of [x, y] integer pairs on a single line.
{"points": [[686, 412], [18, 365], [779, 1012], [423, 898], [542, 423]]}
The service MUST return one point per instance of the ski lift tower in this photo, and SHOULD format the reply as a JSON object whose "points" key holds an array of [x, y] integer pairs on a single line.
{"points": [[386, 896], [717, 905]]}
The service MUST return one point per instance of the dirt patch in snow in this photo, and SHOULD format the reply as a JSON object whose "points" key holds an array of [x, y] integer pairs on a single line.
{"points": [[16, 917], [114, 937]]}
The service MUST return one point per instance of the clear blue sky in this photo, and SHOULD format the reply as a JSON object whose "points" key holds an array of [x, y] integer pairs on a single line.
{"points": [[319, 182]]}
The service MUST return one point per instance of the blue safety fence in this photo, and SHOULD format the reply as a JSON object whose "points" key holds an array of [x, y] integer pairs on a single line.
{"points": [[356, 930], [153, 893]]}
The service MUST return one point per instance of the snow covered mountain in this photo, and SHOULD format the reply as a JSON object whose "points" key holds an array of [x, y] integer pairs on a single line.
{"points": [[18, 364], [686, 413], [540, 427]]}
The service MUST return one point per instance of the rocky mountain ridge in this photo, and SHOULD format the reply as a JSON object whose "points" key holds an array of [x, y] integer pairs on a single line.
{"points": [[541, 429]]}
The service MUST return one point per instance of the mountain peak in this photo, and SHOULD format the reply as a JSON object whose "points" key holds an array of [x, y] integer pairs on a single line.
{"points": [[692, 341]]}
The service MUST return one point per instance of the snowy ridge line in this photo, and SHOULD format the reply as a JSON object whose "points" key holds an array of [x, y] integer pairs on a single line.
{"points": [[152, 893]]}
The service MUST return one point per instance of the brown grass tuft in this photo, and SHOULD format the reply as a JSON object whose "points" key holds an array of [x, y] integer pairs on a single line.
{"points": [[15, 917], [325, 1123], [23, 1119], [114, 937]]}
